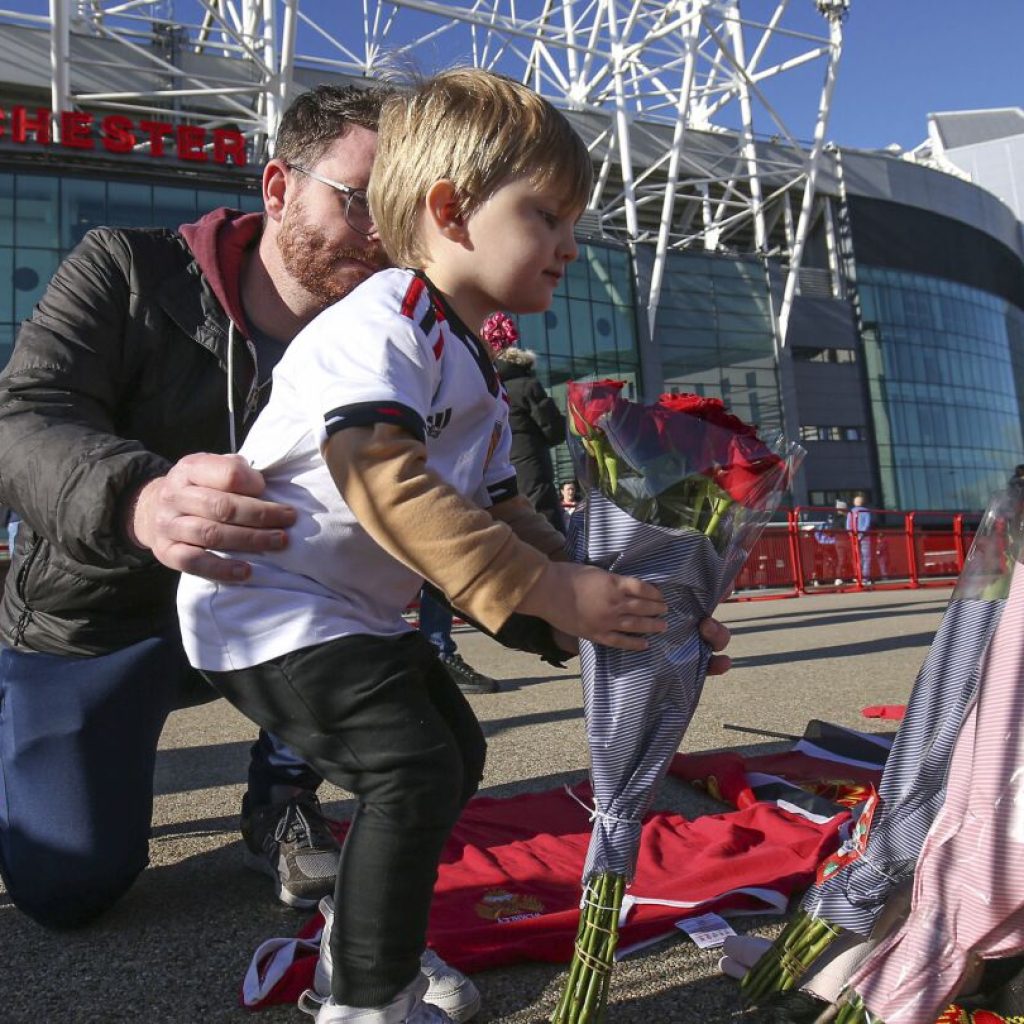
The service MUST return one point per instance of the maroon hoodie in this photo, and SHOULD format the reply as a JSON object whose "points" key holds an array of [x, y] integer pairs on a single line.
{"points": [[219, 241]]}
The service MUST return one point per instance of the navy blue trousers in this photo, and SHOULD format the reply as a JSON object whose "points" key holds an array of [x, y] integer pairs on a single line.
{"points": [[436, 623], [78, 739]]}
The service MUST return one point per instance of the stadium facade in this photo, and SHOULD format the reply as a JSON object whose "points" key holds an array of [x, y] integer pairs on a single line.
{"points": [[899, 360]]}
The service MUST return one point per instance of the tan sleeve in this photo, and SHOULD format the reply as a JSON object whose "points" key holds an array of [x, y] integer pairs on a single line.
{"points": [[477, 560], [531, 527]]}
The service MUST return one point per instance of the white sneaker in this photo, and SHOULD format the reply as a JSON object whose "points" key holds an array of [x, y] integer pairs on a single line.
{"points": [[407, 1007], [448, 989]]}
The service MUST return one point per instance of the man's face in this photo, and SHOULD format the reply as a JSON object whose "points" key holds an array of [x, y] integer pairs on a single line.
{"points": [[318, 247]]}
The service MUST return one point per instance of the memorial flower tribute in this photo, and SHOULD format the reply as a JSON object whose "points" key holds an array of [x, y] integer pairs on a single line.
{"points": [[676, 493], [954, 769]]}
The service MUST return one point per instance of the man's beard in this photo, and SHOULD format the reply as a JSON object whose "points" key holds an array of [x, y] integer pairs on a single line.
{"points": [[314, 263]]}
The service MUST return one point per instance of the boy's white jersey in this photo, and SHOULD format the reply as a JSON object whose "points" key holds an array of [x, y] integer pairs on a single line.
{"points": [[390, 352]]}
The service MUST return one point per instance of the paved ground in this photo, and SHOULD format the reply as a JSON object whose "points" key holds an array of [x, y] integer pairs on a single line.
{"points": [[174, 951]]}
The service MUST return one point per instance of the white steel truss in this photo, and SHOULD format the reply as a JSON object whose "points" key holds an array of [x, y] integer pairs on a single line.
{"points": [[678, 100]]}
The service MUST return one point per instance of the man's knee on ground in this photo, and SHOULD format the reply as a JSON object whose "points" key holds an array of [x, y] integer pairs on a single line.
{"points": [[69, 897]]}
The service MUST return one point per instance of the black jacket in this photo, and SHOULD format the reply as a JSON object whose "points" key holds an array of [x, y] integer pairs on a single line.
{"points": [[119, 372], [537, 425]]}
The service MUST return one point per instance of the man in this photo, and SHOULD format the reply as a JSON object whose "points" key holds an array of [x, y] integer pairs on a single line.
{"points": [[858, 522], [119, 376], [115, 397]]}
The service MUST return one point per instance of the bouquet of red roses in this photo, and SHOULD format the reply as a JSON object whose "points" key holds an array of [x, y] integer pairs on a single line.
{"points": [[684, 462], [675, 494]]}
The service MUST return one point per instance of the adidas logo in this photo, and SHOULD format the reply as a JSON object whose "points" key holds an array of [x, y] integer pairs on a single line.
{"points": [[437, 421]]}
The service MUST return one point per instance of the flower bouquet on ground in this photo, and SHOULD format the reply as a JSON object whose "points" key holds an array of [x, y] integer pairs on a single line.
{"points": [[968, 894], [675, 494], [844, 909]]}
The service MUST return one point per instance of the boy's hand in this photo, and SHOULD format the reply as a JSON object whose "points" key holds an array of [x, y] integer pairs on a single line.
{"points": [[584, 601], [712, 632]]}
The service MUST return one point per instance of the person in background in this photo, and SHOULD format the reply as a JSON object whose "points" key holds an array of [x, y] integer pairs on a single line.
{"points": [[149, 351], [858, 523], [536, 421], [436, 619], [570, 496]]}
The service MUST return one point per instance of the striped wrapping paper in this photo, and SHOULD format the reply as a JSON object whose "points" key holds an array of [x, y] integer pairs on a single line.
{"points": [[913, 785], [968, 898], [639, 703]]}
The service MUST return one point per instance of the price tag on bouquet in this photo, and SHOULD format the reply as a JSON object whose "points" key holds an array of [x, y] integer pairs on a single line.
{"points": [[709, 931]]}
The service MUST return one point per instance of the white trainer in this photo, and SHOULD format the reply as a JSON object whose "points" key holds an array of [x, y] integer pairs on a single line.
{"points": [[407, 1007], [448, 989]]}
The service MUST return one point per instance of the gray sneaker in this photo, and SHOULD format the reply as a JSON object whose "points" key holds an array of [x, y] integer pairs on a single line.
{"points": [[466, 677], [294, 845], [447, 989]]}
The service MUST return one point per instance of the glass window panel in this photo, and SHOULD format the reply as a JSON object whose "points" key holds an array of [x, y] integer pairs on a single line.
{"points": [[579, 326], [602, 327], [83, 206], [208, 199], [686, 363], [173, 206], [556, 323], [533, 332], [33, 269], [577, 281], [250, 203], [624, 326], [6, 209], [130, 206], [36, 203], [560, 370], [6, 284], [6, 343], [745, 324], [696, 301]]}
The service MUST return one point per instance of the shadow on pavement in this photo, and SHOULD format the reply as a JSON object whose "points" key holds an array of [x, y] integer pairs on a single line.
{"points": [[876, 646], [828, 619]]}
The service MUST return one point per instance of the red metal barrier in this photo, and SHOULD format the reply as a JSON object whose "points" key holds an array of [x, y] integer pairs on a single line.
{"points": [[812, 551]]}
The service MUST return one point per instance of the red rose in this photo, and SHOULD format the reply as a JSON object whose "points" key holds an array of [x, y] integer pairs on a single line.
{"points": [[588, 402], [634, 433], [750, 473], [710, 409], [682, 434]]}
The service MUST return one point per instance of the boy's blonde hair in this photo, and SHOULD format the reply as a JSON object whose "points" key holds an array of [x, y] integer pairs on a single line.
{"points": [[479, 130]]}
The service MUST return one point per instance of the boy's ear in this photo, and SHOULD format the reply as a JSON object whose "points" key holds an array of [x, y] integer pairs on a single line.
{"points": [[442, 205]]}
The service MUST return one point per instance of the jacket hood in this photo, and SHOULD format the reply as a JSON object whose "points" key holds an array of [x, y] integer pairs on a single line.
{"points": [[520, 357], [219, 241]]}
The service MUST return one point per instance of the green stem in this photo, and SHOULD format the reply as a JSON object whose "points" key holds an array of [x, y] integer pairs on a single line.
{"points": [[780, 969], [718, 506], [585, 996]]}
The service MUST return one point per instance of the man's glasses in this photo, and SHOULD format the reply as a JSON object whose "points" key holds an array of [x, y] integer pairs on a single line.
{"points": [[357, 207]]}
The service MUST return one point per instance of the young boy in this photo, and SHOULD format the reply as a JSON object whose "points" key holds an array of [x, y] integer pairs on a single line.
{"points": [[387, 430]]}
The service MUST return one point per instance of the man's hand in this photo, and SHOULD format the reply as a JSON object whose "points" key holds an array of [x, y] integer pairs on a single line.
{"points": [[584, 601], [208, 502], [717, 637]]}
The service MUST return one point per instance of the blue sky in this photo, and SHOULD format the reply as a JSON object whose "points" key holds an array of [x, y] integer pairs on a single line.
{"points": [[904, 59]]}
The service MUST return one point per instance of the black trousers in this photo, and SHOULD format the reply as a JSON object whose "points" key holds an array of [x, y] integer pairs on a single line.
{"points": [[381, 718]]}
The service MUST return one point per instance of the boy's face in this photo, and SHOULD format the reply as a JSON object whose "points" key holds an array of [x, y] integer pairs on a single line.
{"points": [[520, 242]]}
